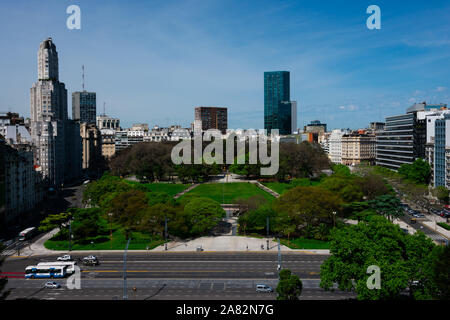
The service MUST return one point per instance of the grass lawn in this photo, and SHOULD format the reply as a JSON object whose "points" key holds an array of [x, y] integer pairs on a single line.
{"points": [[444, 225], [170, 188], [231, 191], [301, 243], [139, 241], [282, 187]]}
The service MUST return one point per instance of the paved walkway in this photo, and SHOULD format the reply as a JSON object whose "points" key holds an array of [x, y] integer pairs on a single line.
{"points": [[230, 243], [263, 187], [185, 191]]}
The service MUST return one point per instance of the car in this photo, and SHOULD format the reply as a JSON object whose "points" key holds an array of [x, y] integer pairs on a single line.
{"points": [[65, 257], [263, 288], [435, 211], [52, 284], [445, 214], [90, 261]]}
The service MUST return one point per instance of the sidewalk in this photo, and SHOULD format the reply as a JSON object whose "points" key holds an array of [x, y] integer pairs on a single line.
{"points": [[230, 244], [37, 248], [226, 244]]}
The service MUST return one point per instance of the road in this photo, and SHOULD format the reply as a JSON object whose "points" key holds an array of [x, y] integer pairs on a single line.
{"points": [[192, 276]]}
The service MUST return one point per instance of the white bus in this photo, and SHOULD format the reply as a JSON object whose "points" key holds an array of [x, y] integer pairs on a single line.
{"points": [[45, 272], [27, 233], [69, 264]]}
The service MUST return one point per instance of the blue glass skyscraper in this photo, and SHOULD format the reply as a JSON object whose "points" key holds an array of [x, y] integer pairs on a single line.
{"points": [[277, 107]]}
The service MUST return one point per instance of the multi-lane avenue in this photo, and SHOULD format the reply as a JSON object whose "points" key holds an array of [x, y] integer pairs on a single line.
{"points": [[181, 275]]}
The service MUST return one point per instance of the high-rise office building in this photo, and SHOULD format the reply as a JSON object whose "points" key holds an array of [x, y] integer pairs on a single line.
{"points": [[84, 107], [404, 138], [212, 118], [57, 139], [277, 105]]}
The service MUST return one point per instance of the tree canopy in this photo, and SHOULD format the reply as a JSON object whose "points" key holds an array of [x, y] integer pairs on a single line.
{"points": [[400, 257], [289, 286]]}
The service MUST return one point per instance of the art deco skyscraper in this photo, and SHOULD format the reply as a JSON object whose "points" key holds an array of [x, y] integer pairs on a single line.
{"points": [[48, 95], [57, 139]]}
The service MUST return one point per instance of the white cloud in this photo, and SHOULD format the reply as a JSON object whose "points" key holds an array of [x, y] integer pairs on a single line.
{"points": [[440, 89], [350, 107]]}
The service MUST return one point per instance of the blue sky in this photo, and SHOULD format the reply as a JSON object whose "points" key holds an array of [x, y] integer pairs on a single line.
{"points": [[154, 61]]}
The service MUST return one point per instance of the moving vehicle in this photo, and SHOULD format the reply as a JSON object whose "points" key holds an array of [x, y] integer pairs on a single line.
{"points": [[69, 264], [27, 233], [65, 257], [90, 261], [263, 288], [52, 284], [45, 272]]}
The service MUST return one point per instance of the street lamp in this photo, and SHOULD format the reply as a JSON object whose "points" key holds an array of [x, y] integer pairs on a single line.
{"points": [[334, 218], [70, 235]]}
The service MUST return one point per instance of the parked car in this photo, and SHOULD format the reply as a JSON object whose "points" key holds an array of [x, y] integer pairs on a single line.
{"points": [[65, 257], [52, 284], [445, 214]]}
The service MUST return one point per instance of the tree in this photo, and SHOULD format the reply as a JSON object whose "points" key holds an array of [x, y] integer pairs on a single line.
{"points": [[308, 207], [86, 225], [400, 257], [418, 172], [54, 221], [441, 193], [202, 214], [256, 220], [388, 206], [289, 286], [341, 170], [438, 285], [372, 186], [344, 186], [128, 207]]}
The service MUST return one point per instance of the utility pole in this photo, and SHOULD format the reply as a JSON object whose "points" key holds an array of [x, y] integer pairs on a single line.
{"points": [[165, 233], [279, 255], [70, 235], [110, 228], [125, 296], [267, 227]]}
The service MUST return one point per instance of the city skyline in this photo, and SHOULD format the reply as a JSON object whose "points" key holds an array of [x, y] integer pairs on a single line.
{"points": [[341, 73]]}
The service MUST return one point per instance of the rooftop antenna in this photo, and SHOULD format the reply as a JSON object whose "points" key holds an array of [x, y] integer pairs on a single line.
{"points": [[82, 67], [104, 106]]}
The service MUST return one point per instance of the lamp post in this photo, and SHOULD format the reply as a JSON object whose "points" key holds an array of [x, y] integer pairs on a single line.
{"points": [[334, 218], [125, 295], [70, 235], [165, 233], [110, 228]]}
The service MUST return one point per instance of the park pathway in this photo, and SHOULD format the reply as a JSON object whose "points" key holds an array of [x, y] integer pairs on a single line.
{"points": [[185, 190], [263, 187]]}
